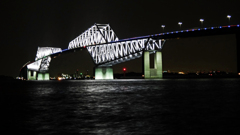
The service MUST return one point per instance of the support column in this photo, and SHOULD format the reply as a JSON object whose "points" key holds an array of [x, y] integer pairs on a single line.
{"points": [[43, 76], [31, 75], [146, 65], [103, 73], [156, 72], [158, 64], [238, 51]]}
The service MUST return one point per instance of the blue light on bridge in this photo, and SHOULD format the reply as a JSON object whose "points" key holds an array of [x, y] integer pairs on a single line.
{"points": [[176, 31], [192, 29], [212, 28], [229, 26], [172, 32], [199, 29], [205, 28], [167, 33], [220, 27], [238, 25], [182, 31], [186, 30]]}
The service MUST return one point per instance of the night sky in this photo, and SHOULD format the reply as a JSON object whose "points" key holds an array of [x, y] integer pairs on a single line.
{"points": [[27, 25]]}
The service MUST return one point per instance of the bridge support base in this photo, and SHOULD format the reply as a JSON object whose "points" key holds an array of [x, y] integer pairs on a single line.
{"points": [[103, 73], [43, 76], [156, 72], [31, 75]]}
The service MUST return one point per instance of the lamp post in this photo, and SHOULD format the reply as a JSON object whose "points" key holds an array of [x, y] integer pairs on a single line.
{"points": [[180, 23], [201, 20], [229, 17], [163, 26]]}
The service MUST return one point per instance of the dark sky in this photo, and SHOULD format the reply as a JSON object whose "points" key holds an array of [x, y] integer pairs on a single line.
{"points": [[25, 25]]}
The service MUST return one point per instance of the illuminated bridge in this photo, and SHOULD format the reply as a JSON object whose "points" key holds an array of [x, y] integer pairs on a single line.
{"points": [[107, 50]]}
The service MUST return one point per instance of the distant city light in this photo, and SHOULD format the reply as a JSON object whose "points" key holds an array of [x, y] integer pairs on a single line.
{"points": [[124, 69]]}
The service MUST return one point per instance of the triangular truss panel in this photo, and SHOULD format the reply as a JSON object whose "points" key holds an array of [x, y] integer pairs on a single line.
{"points": [[97, 34]]}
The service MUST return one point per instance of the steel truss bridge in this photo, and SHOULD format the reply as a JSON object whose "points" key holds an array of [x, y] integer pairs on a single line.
{"points": [[107, 50]]}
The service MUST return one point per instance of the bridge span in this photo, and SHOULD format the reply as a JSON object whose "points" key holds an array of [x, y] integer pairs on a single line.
{"points": [[107, 50]]}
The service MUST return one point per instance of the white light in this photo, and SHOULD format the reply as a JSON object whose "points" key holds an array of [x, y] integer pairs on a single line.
{"points": [[201, 20], [180, 23], [229, 16], [163, 26]]}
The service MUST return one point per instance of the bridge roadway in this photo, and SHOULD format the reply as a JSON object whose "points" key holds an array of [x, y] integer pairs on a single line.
{"points": [[220, 30]]}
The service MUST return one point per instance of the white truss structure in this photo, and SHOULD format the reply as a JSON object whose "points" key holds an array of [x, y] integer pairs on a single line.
{"points": [[118, 52], [97, 34], [104, 47], [43, 58]]}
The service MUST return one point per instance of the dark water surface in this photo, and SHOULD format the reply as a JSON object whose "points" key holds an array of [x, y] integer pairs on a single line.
{"points": [[116, 107]]}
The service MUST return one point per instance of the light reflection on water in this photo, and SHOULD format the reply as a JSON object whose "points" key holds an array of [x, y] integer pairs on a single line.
{"points": [[130, 106]]}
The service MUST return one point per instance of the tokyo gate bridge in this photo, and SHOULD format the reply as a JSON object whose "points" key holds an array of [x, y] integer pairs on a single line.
{"points": [[106, 50]]}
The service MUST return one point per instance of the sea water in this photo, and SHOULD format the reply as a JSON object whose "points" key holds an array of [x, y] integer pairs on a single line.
{"points": [[128, 107]]}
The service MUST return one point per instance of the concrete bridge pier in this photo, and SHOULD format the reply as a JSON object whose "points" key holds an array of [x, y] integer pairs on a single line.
{"points": [[31, 75], [156, 72], [43, 76], [103, 73]]}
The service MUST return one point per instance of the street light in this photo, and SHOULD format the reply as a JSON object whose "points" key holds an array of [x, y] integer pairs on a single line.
{"points": [[163, 26], [180, 23], [229, 17], [201, 20]]}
